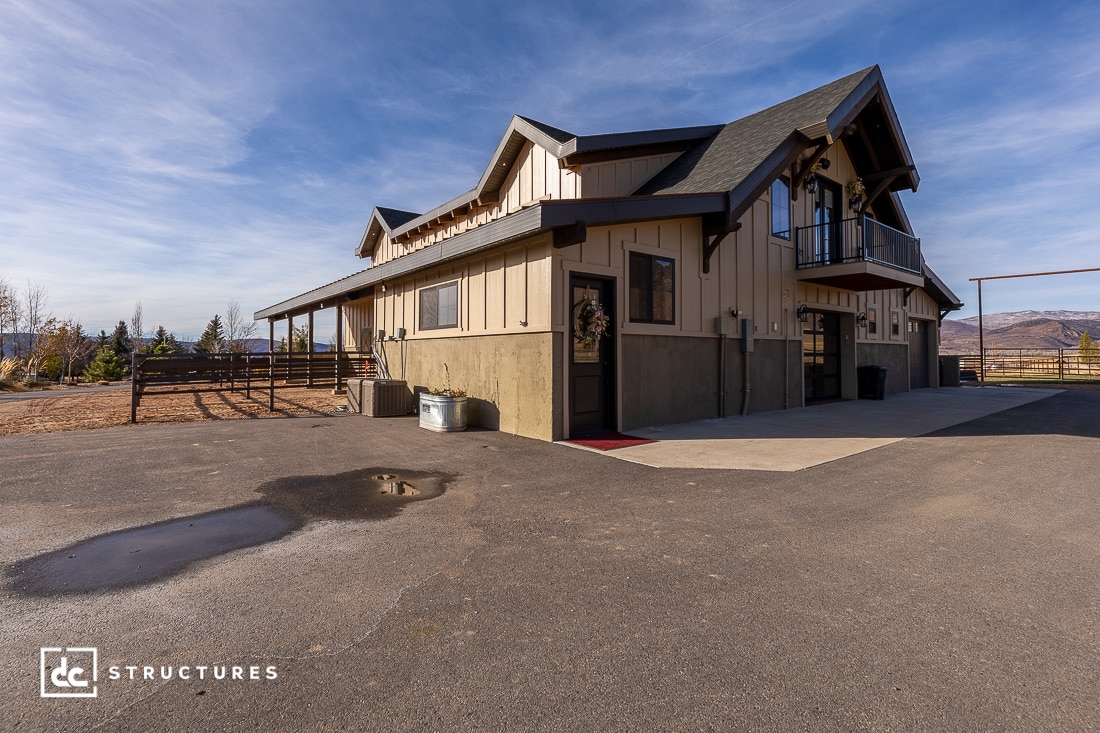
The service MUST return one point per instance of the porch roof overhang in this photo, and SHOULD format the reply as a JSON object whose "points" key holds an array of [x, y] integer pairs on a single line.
{"points": [[569, 216]]}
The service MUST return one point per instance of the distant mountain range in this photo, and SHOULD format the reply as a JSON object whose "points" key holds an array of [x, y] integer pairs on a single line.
{"points": [[1020, 330]]}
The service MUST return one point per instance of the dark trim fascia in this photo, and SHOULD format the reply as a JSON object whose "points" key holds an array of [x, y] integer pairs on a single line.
{"points": [[534, 220]]}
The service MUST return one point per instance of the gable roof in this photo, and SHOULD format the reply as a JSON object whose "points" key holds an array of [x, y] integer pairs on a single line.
{"points": [[721, 171], [744, 156], [568, 148]]}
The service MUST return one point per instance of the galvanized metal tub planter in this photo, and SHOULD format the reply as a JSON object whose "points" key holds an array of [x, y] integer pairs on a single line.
{"points": [[442, 413]]}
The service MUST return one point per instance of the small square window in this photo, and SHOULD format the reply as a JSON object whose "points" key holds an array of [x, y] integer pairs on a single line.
{"points": [[439, 307]]}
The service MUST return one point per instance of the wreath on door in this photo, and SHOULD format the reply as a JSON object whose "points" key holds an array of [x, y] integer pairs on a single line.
{"points": [[590, 323]]}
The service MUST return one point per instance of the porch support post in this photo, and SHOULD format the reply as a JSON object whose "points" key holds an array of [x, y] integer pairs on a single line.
{"points": [[339, 342], [271, 364], [309, 349], [981, 335]]}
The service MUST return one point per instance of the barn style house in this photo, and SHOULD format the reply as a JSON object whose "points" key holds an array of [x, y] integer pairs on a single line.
{"points": [[616, 281]]}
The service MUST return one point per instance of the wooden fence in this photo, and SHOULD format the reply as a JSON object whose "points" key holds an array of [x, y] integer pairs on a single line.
{"points": [[1053, 364], [154, 374]]}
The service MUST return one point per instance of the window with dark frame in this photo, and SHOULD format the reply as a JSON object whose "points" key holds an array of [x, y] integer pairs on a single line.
{"points": [[781, 208], [895, 324], [872, 321], [439, 307], [652, 289]]}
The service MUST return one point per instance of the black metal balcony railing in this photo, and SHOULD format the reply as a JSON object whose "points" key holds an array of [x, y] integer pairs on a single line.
{"points": [[860, 239]]}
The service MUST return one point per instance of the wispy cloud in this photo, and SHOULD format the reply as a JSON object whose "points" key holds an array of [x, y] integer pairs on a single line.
{"points": [[189, 153]]}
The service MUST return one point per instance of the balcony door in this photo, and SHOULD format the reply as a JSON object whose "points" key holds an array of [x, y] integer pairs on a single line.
{"points": [[828, 247]]}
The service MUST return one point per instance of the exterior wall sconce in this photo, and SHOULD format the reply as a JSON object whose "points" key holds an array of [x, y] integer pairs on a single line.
{"points": [[803, 314], [861, 320], [810, 184]]}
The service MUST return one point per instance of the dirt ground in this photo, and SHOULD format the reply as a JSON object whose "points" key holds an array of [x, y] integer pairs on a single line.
{"points": [[72, 410]]}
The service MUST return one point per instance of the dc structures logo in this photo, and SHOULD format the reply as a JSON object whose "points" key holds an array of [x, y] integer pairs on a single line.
{"points": [[69, 672]]}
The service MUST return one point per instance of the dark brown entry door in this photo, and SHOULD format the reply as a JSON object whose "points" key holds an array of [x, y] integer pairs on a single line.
{"points": [[918, 354], [591, 357], [821, 356]]}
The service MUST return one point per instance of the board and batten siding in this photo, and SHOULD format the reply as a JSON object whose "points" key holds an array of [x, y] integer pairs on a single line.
{"points": [[535, 176], [749, 273], [358, 314], [620, 177], [499, 292]]}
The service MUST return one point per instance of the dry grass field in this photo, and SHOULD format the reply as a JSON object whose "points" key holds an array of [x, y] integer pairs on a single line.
{"points": [[73, 409]]}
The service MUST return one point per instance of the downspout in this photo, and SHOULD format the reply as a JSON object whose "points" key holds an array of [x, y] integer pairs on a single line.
{"points": [[721, 371], [747, 362], [786, 360]]}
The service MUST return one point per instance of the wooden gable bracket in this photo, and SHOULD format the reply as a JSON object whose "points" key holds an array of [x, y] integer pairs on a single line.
{"points": [[884, 178], [798, 175], [570, 234], [908, 292], [715, 229]]}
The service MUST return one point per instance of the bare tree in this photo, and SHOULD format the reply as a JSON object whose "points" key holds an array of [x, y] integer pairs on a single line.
{"points": [[9, 321], [137, 333], [240, 331], [35, 298], [62, 342]]}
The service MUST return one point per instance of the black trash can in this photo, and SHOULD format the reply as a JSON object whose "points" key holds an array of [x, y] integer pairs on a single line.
{"points": [[872, 382]]}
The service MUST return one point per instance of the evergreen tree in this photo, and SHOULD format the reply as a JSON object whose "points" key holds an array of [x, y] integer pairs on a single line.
{"points": [[120, 342], [1088, 351], [213, 338], [301, 339], [164, 342], [106, 367]]}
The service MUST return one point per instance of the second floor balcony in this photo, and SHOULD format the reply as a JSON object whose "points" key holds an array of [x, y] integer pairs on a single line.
{"points": [[858, 254]]}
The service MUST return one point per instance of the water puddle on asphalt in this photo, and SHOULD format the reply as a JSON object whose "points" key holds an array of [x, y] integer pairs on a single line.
{"points": [[141, 555]]}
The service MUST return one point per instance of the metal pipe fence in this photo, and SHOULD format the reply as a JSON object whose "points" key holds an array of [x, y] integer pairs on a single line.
{"points": [[1042, 364]]}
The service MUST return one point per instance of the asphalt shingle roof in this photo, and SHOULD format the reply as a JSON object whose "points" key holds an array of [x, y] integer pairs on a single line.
{"points": [[721, 162]]}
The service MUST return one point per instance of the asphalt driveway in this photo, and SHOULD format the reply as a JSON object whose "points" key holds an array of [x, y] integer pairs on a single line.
{"points": [[944, 582]]}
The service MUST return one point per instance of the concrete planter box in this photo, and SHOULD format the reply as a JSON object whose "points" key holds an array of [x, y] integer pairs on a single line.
{"points": [[442, 414]]}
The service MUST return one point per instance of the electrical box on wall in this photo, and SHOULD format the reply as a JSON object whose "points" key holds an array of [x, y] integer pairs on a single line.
{"points": [[722, 326], [747, 330]]}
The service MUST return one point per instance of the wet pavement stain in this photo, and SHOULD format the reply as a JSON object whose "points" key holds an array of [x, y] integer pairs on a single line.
{"points": [[142, 555]]}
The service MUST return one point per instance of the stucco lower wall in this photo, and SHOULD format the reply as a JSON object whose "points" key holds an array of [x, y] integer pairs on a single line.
{"points": [[671, 379], [509, 379], [895, 357]]}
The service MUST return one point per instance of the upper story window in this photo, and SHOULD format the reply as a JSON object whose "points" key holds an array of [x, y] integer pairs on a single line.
{"points": [[781, 208], [439, 307], [652, 289]]}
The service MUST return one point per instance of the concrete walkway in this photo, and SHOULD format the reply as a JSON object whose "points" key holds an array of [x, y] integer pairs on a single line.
{"points": [[790, 440]]}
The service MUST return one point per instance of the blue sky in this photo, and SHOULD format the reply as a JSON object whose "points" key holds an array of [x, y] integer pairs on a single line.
{"points": [[188, 153]]}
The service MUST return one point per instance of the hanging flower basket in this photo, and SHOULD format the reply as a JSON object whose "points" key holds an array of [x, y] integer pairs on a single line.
{"points": [[856, 192], [590, 323]]}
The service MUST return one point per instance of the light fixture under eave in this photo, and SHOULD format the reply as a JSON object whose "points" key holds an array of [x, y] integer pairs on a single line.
{"points": [[810, 184], [803, 314], [861, 320]]}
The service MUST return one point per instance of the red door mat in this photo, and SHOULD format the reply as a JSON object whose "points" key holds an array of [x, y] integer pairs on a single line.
{"points": [[610, 441]]}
